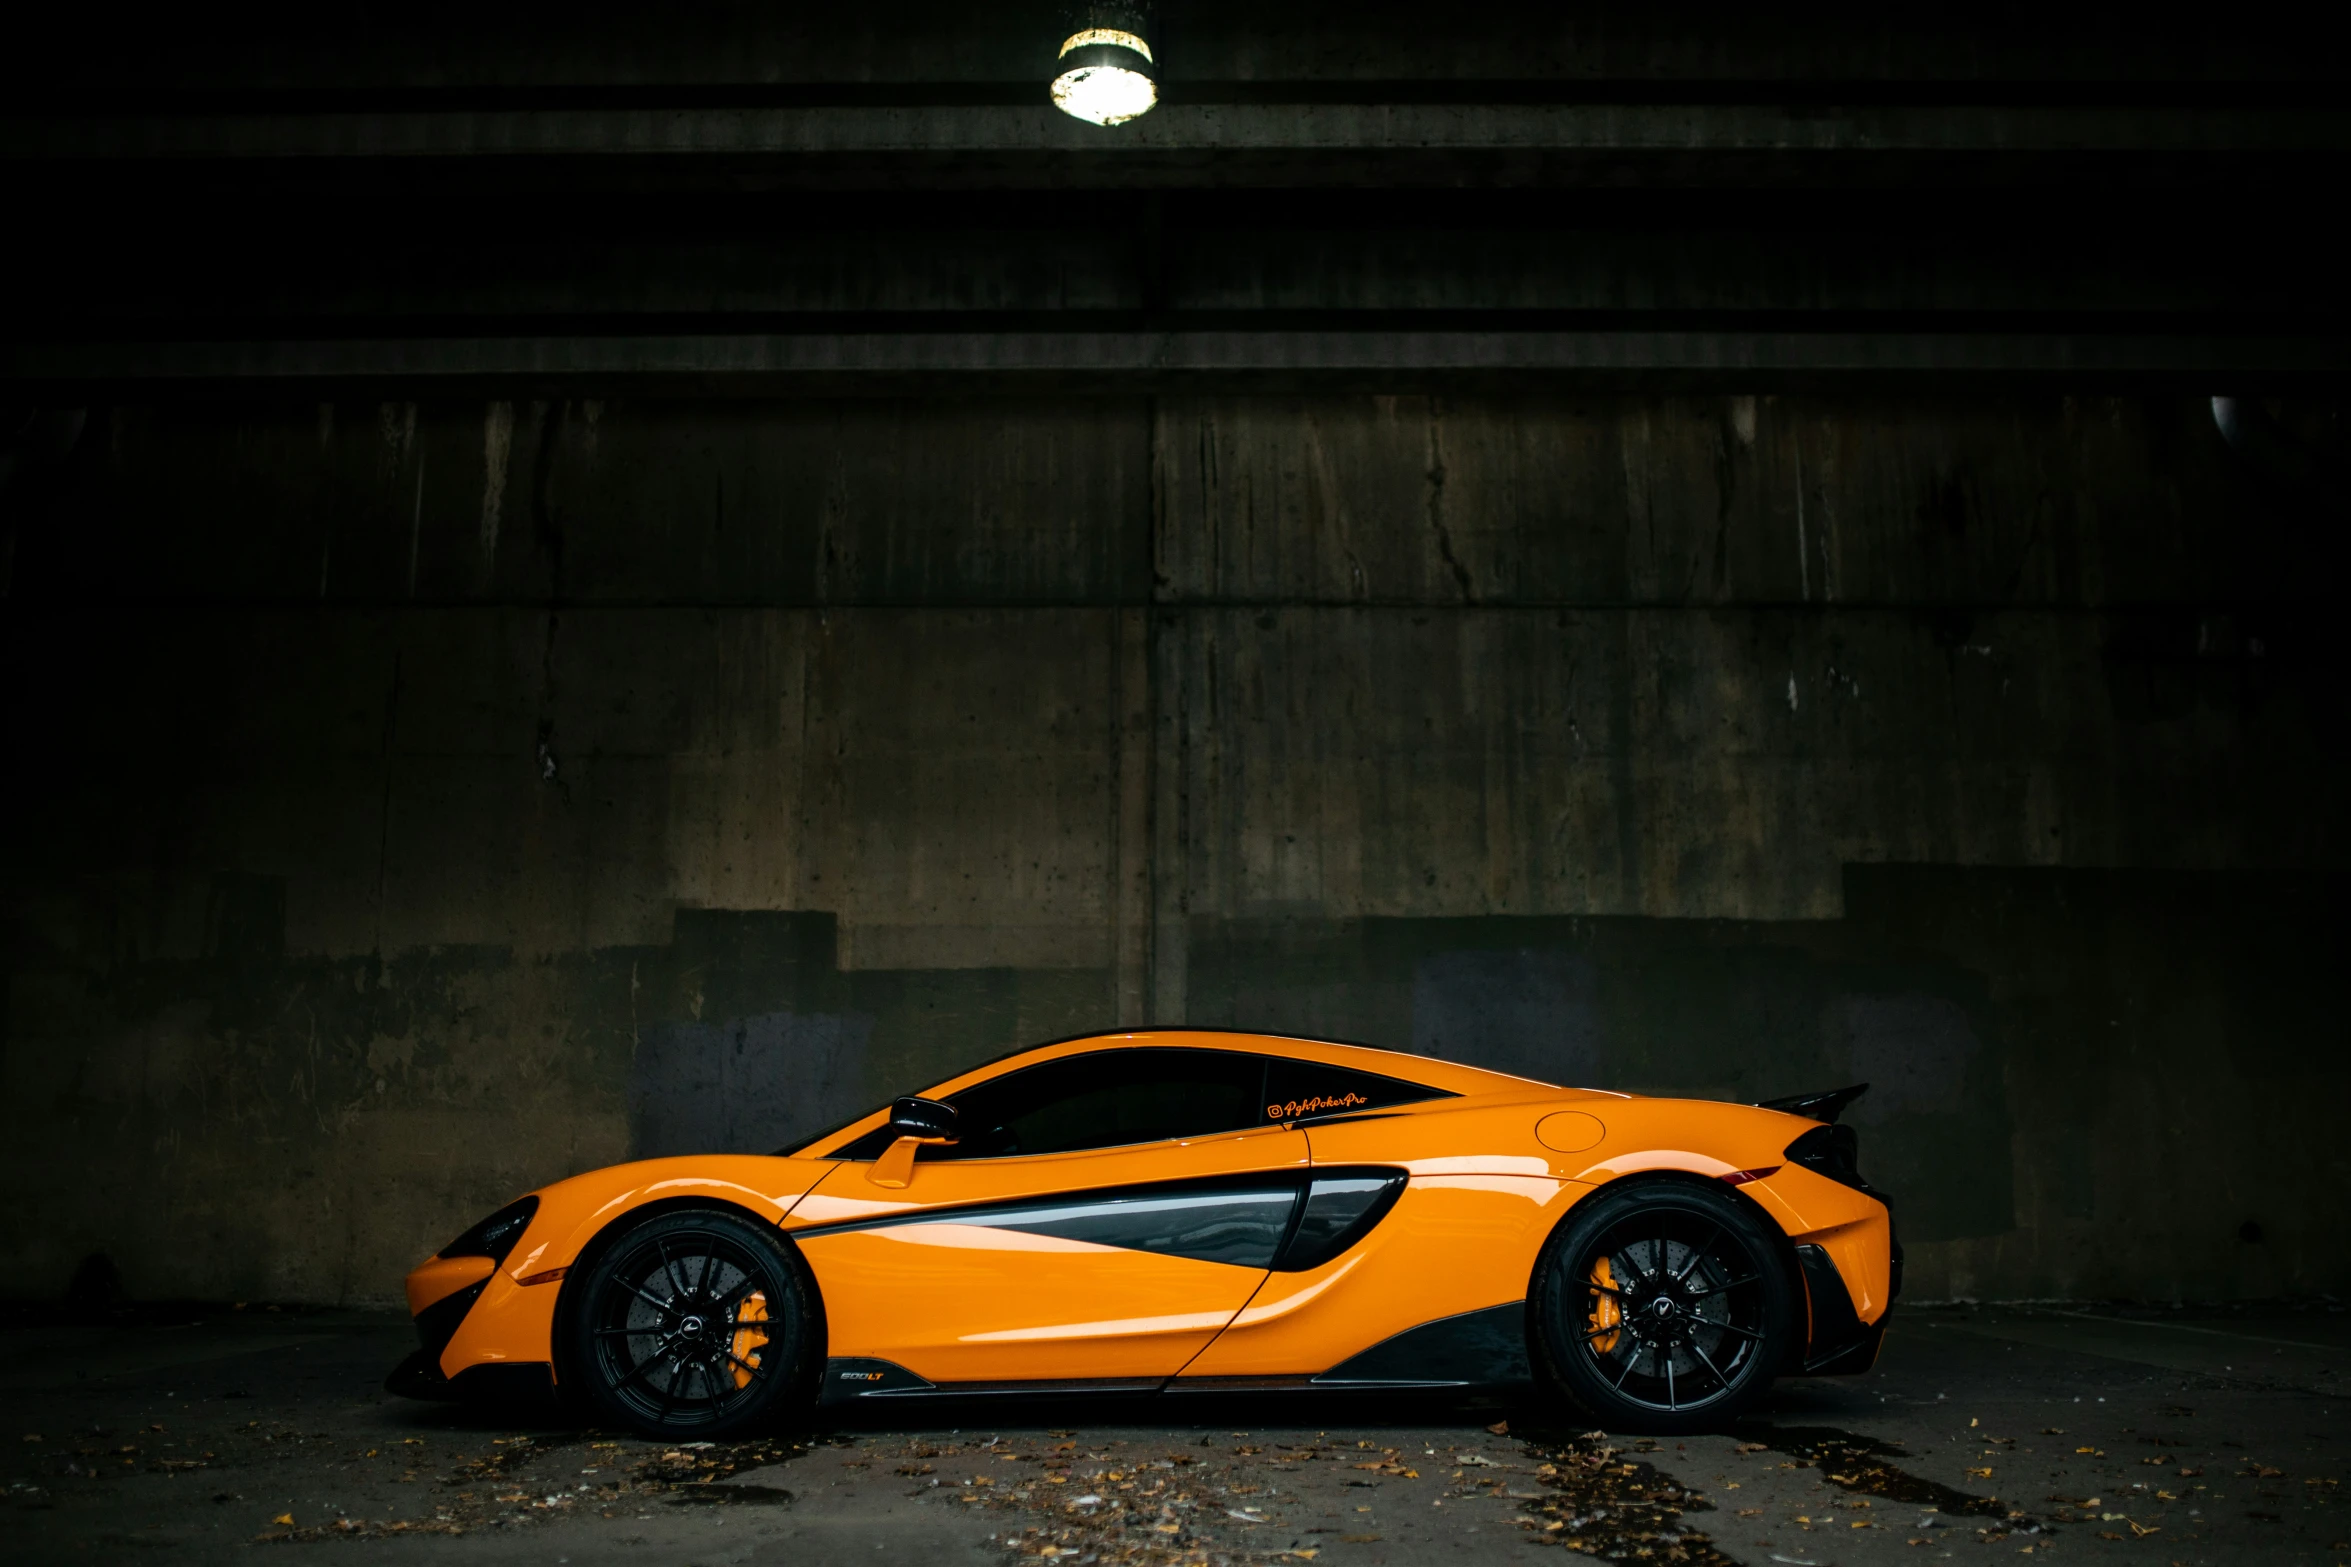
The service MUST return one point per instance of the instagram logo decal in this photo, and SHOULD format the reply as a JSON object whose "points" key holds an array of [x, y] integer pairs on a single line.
{"points": [[1298, 1107]]}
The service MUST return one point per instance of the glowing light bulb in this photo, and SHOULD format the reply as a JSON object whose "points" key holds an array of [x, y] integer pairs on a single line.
{"points": [[1105, 76]]}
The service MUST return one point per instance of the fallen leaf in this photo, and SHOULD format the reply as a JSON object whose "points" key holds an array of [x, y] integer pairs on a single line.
{"points": [[1498, 1428], [286, 1518]]}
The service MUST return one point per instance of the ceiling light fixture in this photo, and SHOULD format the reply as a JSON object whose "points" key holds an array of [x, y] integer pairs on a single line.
{"points": [[1107, 73]]}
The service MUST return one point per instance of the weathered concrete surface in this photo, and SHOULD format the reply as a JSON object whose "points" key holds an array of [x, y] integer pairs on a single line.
{"points": [[1698, 42], [419, 803], [2193, 1437]]}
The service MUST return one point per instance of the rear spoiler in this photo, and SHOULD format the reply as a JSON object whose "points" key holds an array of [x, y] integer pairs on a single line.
{"points": [[1824, 1107]]}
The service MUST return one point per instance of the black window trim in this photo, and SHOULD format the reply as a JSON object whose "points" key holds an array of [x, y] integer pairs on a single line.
{"points": [[1267, 1061]]}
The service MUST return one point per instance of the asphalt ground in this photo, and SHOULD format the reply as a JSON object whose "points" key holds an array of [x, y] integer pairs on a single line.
{"points": [[2098, 1435]]}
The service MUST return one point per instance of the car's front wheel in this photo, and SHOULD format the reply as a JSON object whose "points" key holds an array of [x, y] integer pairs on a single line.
{"points": [[695, 1324], [1663, 1306]]}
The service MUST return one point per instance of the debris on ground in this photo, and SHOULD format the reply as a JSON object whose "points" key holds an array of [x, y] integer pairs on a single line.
{"points": [[501, 1489], [1598, 1500]]}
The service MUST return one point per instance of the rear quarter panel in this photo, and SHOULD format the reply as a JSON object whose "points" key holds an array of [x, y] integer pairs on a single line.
{"points": [[1487, 1190], [1707, 1137]]}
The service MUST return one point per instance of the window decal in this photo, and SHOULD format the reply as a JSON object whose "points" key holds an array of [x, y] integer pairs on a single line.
{"points": [[1318, 1104]]}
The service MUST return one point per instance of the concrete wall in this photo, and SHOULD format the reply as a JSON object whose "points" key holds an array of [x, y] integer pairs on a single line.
{"points": [[414, 804]]}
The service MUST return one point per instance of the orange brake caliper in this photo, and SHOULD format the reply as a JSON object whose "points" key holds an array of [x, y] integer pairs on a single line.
{"points": [[1606, 1313], [750, 1335]]}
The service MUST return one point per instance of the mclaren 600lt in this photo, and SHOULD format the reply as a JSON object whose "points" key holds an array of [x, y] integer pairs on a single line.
{"points": [[1181, 1211]]}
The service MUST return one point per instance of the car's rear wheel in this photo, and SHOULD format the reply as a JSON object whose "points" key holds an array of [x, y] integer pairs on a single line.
{"points": [[1663, 1306], [695, 1324]]}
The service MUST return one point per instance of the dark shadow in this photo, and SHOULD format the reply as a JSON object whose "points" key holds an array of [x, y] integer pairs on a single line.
{"points": [[1200, 1412]]}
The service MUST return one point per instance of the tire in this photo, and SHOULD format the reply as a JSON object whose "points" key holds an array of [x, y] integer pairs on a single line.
{"points": [[694, 1325], [1664, 1307]]}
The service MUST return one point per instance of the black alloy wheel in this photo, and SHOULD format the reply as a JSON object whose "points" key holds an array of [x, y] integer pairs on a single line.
{"points": [[1663, 1306], [694, 1324]]}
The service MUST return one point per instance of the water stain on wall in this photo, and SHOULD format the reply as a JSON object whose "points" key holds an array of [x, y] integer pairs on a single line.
{"points": [[745, 1085], [1529, 1012]]}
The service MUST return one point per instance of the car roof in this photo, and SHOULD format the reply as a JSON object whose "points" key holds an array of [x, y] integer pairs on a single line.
{"points": [[1428, 1070]]}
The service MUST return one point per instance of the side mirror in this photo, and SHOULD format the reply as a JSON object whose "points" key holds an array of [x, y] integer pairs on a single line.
{"points": [[914, 1121], [914, 1116]]}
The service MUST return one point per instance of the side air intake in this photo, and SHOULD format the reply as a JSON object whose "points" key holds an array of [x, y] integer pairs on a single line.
{"points": [[1342, 1206]]}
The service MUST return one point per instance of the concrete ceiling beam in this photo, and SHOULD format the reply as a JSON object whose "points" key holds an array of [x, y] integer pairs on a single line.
{"points": [[899, 361], [1180, 131]]}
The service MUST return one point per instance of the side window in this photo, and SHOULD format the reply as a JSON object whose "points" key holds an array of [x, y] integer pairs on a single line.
{"points": [[1107, 1100], [1305, 1090], [1117, 1098]]}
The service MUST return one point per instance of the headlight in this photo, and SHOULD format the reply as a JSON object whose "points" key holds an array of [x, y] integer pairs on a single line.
{"points": [[495, 1236]]}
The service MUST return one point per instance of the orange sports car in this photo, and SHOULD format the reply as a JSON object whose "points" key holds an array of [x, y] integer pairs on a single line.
{"points": [[1180, 1211]]}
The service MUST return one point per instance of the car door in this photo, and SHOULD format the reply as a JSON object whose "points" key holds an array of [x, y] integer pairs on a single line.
{"points": [[1404, 1224], [1102, 1218]]}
